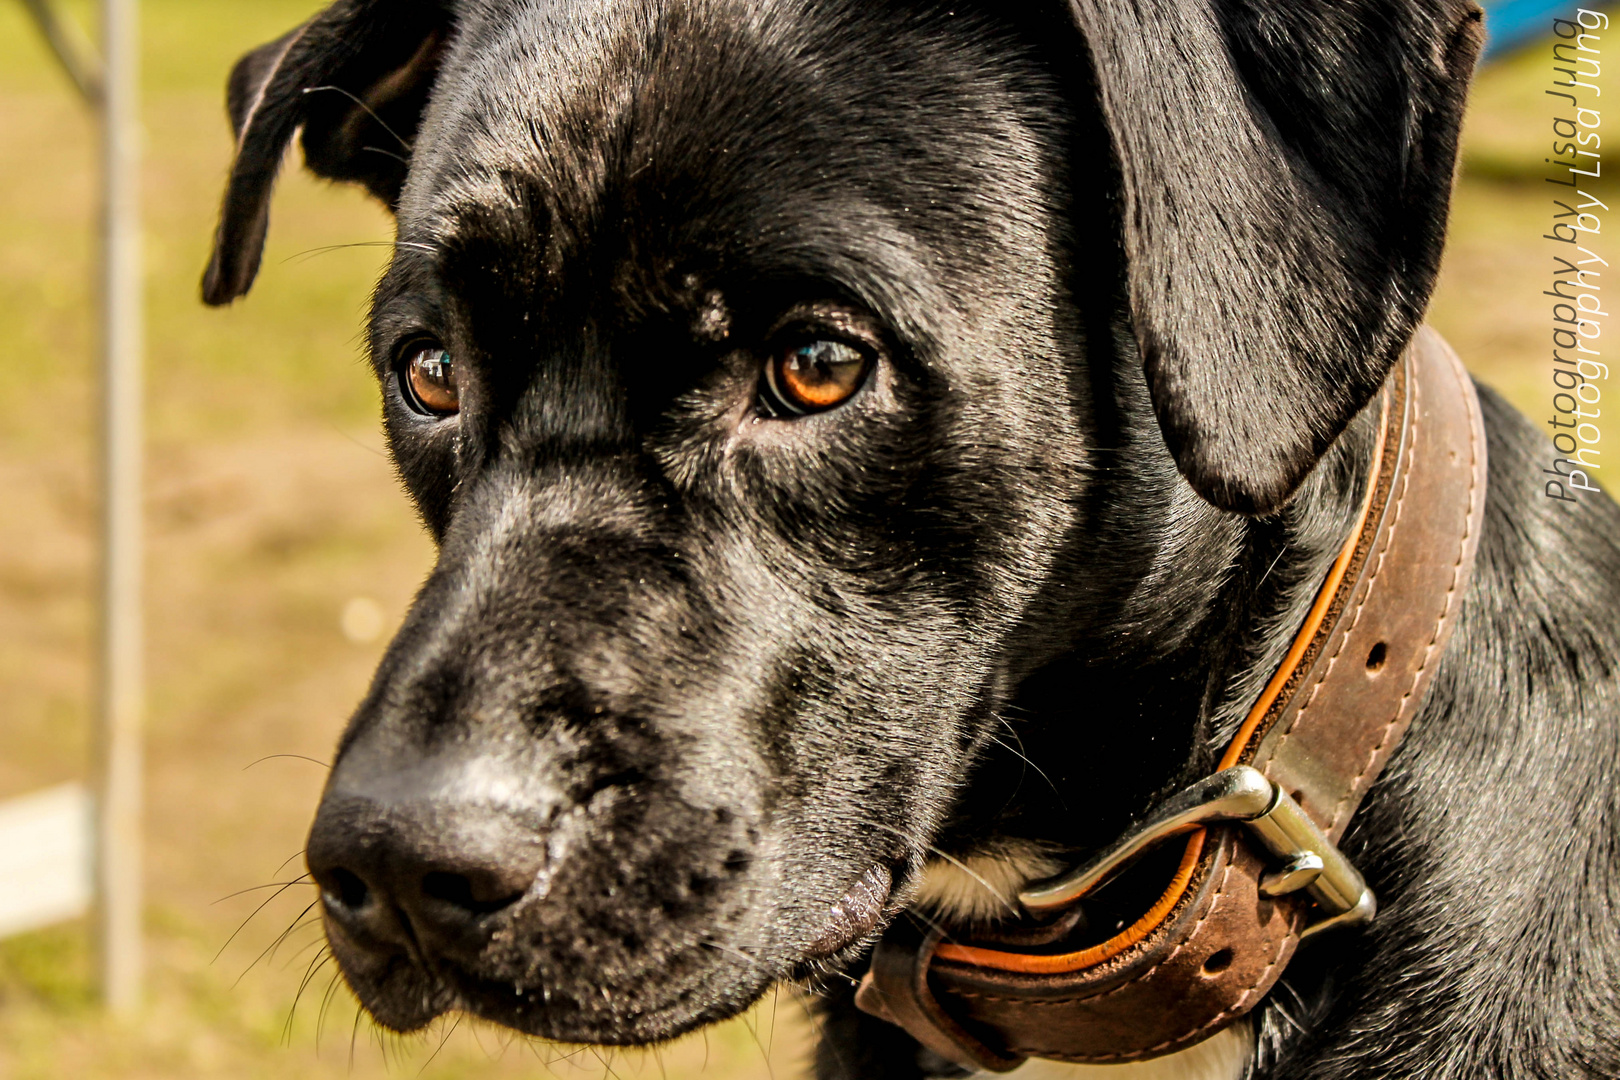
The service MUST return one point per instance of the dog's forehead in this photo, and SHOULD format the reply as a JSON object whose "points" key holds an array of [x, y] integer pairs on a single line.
{"points": [[530, 89], [728, 115]]}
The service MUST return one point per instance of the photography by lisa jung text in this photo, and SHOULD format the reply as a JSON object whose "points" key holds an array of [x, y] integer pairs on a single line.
{"points": [[1577, 225]]}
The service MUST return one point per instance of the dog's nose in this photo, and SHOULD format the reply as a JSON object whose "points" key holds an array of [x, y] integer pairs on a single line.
{"points": [[420, 866]]}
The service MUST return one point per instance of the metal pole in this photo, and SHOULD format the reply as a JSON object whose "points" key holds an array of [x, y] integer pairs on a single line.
{"points": [[120, 693], [69, 49]]}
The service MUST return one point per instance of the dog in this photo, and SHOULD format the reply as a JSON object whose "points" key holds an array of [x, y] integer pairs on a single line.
{"points": [[878, 448]]}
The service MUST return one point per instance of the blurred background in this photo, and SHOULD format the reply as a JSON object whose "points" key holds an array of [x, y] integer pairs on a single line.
{"points": [[282, 554]]}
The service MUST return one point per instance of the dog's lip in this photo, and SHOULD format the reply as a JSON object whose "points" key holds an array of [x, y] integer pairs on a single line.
{"points": [[854, 916], [586, 1014]]}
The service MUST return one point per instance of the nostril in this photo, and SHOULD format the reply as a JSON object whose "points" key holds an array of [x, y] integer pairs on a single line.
{"points": [[347, 888], [459, 891]]}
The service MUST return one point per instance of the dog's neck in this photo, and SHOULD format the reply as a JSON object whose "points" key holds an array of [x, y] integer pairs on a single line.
{"points": [[1163, 659]]}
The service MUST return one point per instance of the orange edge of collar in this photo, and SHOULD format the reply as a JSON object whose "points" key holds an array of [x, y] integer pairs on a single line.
{"points": [[1062, 963]]}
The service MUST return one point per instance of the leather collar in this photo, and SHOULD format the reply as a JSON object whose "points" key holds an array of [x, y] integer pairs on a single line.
{"points": [[1220, 935]]}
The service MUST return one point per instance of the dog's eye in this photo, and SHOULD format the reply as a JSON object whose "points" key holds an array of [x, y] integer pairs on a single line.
{"points": [[429, 381], [813, 376]]}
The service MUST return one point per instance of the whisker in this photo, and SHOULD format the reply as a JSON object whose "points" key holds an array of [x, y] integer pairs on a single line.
{"points": [[770, 1040], [368, 449], [385, 153], [976, 876], [1270, 568], [326, 249], [1277, 1007], [448, 1032], [369, 111], [739, 954], [1019, 741], [295, 855], [270, 949], [606, 1063], [1018, 752], [301, 924], [326, 1002], [764, 1053], [317, 943], [1299, 1002], [917, 916], [252, 915], [533, 1047], [820, 972], [568, 1057], [354, 1032], [272, 757], [314, 969], [256, 888]]}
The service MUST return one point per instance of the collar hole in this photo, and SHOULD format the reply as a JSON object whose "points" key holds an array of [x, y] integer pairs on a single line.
{"points": [[1376, 656], [1218, 962]]}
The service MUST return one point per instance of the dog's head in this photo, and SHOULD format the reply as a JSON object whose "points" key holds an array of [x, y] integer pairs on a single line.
{"points": [[775, 376]]}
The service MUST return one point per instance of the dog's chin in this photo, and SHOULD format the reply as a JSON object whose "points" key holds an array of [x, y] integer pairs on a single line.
{"points": [[402, 995], [630, 1000], [398, 993]]}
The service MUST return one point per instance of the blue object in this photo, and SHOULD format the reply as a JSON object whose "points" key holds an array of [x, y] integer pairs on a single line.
{"points": [[1512, 24]]}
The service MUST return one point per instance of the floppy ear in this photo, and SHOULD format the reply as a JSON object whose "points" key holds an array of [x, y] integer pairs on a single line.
{"points": [[1286, 168], [356, 78]]}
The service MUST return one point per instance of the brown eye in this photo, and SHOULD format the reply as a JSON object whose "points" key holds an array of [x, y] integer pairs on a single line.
{"points": [[430, 381], [814, 376]]}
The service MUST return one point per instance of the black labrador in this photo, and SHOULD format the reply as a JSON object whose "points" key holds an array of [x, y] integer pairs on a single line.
{"points": [[857, 431]]}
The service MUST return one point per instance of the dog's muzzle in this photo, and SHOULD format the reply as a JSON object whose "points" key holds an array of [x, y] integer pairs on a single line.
{"points": [[585, 903]]}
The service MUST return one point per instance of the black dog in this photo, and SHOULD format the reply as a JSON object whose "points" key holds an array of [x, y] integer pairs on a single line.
{"points": [[856, 429]]}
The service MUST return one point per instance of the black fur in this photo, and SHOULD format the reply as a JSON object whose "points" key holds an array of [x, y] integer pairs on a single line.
{"points": [[686, 671]]}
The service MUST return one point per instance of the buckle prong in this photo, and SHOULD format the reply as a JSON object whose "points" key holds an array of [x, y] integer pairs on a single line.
{"points": [[1293, 875], [1308, 859]]}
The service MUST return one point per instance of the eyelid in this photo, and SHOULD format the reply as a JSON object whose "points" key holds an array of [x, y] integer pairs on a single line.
{"points": [[831, 319], [412, 342]]}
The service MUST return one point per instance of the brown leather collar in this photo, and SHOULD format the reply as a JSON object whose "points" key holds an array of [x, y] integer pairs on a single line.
{"points": [[1218, 938]]}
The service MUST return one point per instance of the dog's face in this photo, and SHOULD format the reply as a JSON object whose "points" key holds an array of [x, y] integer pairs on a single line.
{"points": [[736, 354], [722, 588]]}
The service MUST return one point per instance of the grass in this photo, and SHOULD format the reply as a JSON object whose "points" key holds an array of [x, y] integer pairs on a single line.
{"points": [[271, 506]]}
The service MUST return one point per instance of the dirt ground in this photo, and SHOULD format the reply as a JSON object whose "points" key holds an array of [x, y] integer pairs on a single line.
{"points": [[272, 510]]}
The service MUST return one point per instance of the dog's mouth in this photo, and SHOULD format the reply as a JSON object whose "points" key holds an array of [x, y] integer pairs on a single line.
{"points": [[634, 920], [408, 986], [405, 993]]}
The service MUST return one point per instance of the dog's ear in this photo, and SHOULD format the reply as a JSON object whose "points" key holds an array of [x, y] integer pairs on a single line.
{"points": [[1286, 171], [356, 78]]}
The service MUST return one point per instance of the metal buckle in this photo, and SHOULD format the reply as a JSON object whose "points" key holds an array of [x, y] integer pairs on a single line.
{"points": [[1308, 859]]}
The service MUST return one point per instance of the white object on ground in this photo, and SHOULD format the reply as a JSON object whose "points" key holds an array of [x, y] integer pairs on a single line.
{"points": [[45, 858]]}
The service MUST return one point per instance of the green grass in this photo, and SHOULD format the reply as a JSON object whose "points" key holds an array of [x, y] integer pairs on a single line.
{"points": [[271, 505]]}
